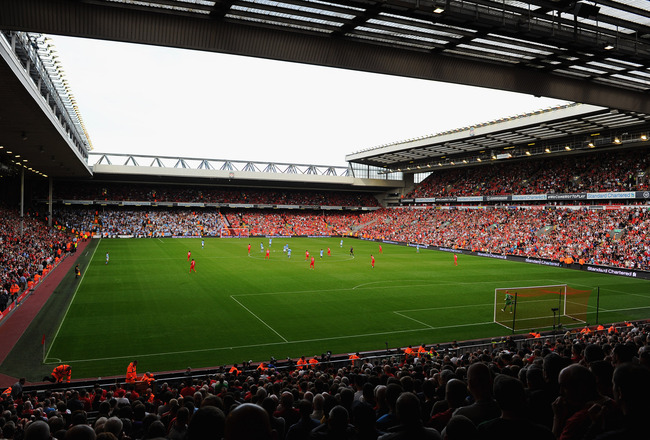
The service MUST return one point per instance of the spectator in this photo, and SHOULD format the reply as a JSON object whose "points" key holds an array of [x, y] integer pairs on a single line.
{"points": [[248, 421], [578, 393], [631, 391], [460, 428], [479, 383], [410, 423], [80, 432], [336, 427], [277, 423], [511, 397], [286, 410], [455, 395], [301, 429], [363, 419], [37, 430], [388, 420], [207, 423], [178, 429]]}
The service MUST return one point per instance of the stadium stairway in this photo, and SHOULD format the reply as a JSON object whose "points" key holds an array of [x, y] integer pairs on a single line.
{"points": [[357, 228]]}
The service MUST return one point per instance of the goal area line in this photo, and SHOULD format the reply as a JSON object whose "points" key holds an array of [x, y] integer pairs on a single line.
{"points": [[543, 306]]}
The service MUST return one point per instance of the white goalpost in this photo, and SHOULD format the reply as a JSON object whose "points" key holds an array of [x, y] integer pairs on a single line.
{"points": [[537, 307]]}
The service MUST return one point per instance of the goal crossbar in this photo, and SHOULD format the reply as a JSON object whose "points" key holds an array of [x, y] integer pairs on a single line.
{"points": [[536, 307]]}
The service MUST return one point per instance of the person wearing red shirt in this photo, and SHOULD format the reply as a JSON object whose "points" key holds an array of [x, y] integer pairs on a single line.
{"points": [[329, 252], [372, 261], [268, 254], [249, 249], [306, 255], [189, 254], [312, 262], [187, 390], [192, 266]]}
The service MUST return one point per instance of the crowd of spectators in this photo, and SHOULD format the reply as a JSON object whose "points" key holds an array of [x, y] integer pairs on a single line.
{"points": [[292, 222], [195, 194], [611, 237], [612, 171], [573, 386], [165, 222], [27, 248], [141, 222]]}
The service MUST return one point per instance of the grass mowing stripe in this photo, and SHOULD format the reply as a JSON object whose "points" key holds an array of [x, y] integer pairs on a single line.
{"points": [[356, 287], [259, 319], [56, 334], [239, 308], [473, 324]]}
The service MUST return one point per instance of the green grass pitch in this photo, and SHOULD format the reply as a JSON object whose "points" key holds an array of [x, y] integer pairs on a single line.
{"points": [[146, 305]]}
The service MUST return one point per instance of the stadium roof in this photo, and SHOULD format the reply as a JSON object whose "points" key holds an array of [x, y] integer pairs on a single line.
{"points": [[562, 130], [583, 51], [595, 52]]}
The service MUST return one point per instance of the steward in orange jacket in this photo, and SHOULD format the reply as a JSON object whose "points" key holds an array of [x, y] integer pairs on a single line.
{"points": [[131, 375], [148, 379], [62, 373]]}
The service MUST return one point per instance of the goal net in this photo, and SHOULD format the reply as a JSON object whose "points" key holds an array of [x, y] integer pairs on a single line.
{"points": [[233, 232], [540, 307]]}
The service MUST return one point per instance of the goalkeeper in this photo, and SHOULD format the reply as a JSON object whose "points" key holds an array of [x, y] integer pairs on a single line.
{"points": [[508, 302]]}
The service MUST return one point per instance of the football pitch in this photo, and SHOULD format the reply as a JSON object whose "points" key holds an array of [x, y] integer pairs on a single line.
{"points": [[146, 305]]}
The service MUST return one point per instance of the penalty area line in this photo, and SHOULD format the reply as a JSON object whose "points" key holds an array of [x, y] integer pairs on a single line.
{"points": [[387, 284], [412, 319], [269, 344]]}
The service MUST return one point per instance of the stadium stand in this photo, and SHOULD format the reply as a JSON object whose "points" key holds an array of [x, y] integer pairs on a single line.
{"points": [[584, 384], [610, 237], [30, 250], [610, 171], [544, 232], [561, 384], [169, 193]]}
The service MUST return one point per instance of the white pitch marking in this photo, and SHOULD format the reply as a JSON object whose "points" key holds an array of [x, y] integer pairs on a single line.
{"points": [[258, 318], [69, 305], [281, 343]]}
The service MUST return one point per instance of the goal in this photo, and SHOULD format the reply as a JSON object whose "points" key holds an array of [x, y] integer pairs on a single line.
{"points": [[540, 307], [234, 233]]}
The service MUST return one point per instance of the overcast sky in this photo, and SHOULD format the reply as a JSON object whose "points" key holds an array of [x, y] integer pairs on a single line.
{"points": [[161, 101]]}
